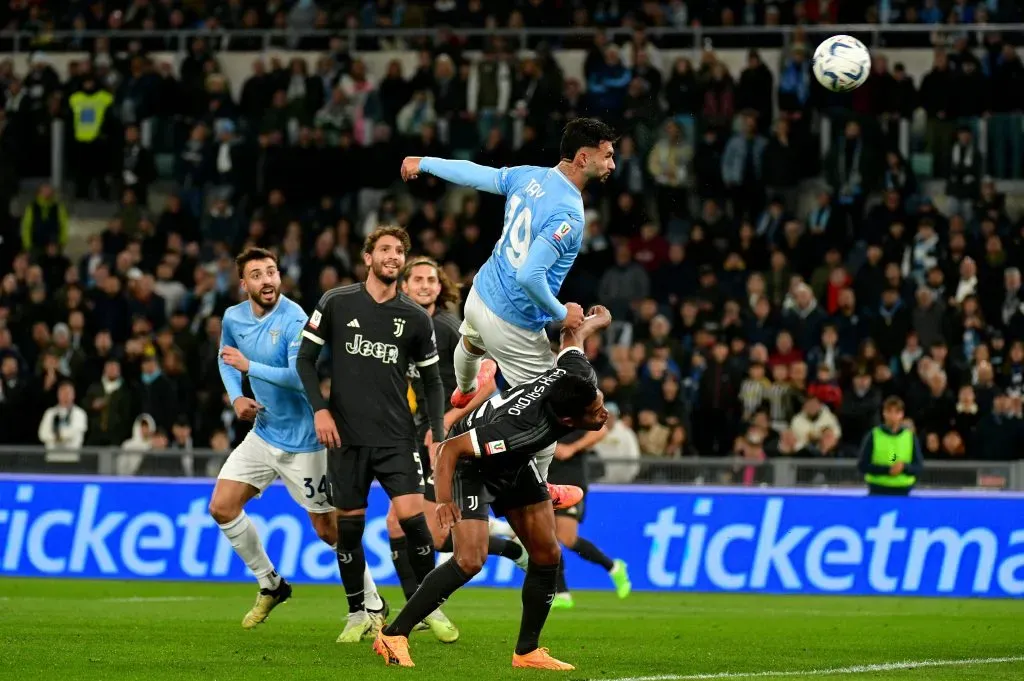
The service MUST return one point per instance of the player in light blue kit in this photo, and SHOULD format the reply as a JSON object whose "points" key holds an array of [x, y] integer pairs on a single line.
{"points": [[260, 337], [514, 293]]}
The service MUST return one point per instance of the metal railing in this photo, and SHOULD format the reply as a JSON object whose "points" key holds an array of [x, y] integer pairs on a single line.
{"points": [[872, 34], [780, 472]]}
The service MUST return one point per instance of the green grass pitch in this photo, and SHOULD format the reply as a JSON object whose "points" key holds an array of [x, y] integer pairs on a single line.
{"points": [[67, 630]]}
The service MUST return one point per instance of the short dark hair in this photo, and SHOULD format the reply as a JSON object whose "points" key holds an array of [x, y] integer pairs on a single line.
{"points": [[571, 395], [250, 254], [584, 132], [893, 402], [373, 237]]}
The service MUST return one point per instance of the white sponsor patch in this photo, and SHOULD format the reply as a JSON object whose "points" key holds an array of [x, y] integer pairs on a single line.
{"points": [[314, 321], [496, 447]]}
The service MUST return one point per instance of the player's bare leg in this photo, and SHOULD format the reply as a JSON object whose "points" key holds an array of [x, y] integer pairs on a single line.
{"points": [[470, 539], [567, 531], [471, 370], [409, 510], [227, 507], [535, 527]]}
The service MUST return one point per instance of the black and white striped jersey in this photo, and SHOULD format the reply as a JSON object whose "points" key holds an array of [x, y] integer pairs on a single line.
{"points": [[518, 421]]}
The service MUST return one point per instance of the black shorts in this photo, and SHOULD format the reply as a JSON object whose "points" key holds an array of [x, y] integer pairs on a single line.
{"points": [[482, 484], [352, 468], [575, 512], [428, 474]]}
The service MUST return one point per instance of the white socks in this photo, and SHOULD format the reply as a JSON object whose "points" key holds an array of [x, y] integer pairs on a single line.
{"points": [[467, 365], [371, 599], [246, 542]]}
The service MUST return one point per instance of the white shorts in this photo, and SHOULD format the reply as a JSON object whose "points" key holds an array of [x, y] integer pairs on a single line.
{"points": [[522, 355], [258, 463]]}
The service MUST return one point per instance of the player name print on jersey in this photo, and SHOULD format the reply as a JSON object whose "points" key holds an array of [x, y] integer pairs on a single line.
{"points": [[387, 353]]}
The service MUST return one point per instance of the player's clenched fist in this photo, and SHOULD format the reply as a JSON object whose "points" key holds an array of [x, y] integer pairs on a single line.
{"points": [[326, 429], [573, 316], [234, 358], [411, 167], [599, 317], [246, 408], [448, 514]]}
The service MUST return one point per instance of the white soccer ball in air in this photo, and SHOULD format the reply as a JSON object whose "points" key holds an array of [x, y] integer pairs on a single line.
{"points": [[841, 63]]}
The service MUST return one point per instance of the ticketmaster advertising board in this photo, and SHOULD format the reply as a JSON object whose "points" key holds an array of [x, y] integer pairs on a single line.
{"points": [[674, 539]]}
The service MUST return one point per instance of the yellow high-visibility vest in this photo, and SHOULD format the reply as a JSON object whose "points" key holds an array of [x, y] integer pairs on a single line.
{"points": [[89, 111]]}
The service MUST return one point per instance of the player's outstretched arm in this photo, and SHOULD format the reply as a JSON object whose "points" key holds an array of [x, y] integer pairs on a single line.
{"points": [[464, 173], [598, 319]]}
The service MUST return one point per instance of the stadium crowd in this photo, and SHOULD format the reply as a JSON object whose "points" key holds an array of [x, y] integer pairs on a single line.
{"points": [[745, 324]]}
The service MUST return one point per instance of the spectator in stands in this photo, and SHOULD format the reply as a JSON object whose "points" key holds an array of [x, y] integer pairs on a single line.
{"points": [[91, 150], [816, 429], [743, 168], [133, 449], [619, 450], [669, 165], [110, 406], [44, 222], [63, 427], [962, 189]]}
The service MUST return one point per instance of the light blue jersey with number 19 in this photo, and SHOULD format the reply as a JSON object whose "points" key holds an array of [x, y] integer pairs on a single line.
{"points": [[543, 210]]}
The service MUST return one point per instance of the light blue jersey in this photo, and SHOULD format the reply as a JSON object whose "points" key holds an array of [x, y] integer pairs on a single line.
{"points": [[271, 344], [539, 242]]}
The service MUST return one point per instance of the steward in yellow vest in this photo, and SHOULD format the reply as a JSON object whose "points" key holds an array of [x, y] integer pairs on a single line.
{"points": [[890, 456]]}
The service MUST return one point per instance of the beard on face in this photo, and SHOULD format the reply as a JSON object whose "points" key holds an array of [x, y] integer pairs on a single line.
{"points": [[259, 299], [383, 275]]}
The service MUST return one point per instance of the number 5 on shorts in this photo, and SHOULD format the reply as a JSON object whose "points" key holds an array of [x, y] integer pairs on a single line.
{"points": [[321, 487], [419, 466]]}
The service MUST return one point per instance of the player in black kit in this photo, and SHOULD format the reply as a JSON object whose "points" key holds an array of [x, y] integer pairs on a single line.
{"points": [[374, 332], [425, 282], [488, 461]]}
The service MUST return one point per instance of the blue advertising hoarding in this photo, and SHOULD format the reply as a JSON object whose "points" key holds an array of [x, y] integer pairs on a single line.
{"points": [[678, 539]]}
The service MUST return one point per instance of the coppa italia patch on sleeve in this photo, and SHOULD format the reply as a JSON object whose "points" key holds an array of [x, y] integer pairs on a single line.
{"points": [[314, 321], [563, 229], [495, 447]]}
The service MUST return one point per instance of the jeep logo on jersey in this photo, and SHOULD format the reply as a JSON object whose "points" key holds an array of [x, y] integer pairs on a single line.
{"points": [[399, 326], [385, 352]]}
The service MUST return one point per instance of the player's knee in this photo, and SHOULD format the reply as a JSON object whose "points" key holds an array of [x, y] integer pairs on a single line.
{"points": [[471, 561], [394, 527], [547, 553], [326, 528], [223, 512]]}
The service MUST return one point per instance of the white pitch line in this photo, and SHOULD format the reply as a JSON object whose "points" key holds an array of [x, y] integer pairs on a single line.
{"points": [[831, 671]]}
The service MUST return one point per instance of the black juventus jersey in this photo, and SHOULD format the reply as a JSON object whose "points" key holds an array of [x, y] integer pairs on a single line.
{"points": [[518, 421], [372, 345], [446, 330]]}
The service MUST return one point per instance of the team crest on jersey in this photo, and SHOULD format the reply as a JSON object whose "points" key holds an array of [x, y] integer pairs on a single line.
{"points": [[274, 334], [495, 447], [562, 231], [399, 326]]}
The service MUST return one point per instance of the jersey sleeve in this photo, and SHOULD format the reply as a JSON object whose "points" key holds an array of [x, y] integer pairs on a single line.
{"points": [[497, 438], [318, 326], [230, 376], [509, 178], [424, 350], [563, 232], [573, 361]]}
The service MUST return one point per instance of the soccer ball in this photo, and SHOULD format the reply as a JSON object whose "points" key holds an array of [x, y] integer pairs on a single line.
{"points": [[841, 63]]}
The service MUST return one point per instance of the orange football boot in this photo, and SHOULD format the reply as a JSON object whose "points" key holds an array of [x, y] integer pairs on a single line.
{"points": [[540, 659], [488, 368], [394, 649], [564, 496]]}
